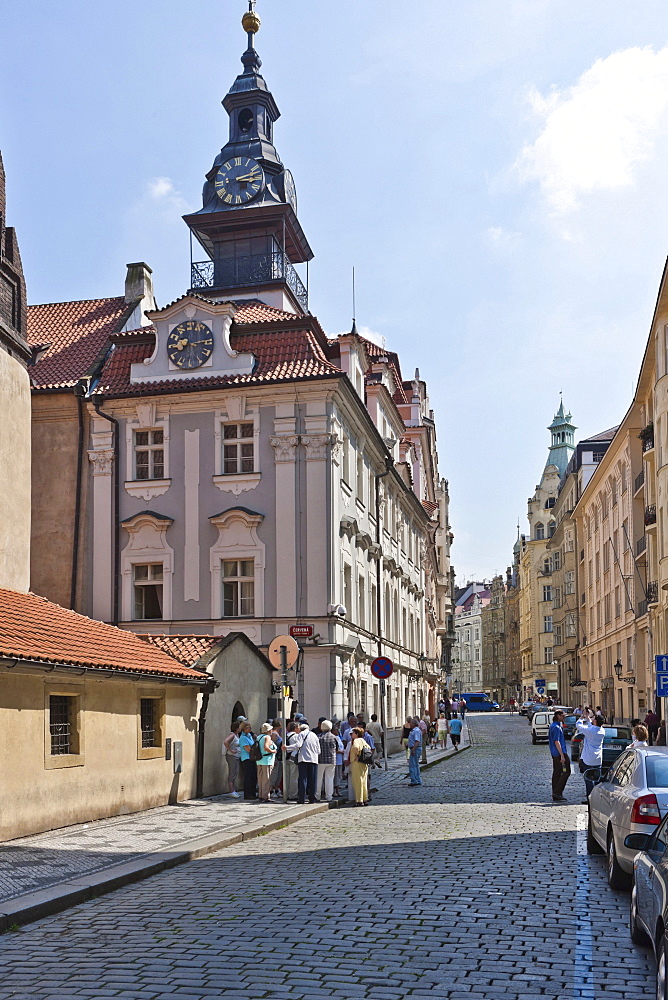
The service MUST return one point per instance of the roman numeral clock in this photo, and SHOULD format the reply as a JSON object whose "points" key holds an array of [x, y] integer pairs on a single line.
{"points": [[239, 180]]}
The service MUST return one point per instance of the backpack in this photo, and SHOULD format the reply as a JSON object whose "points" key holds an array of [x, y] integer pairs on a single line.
{"points": [[255, 751], [366, 755]]}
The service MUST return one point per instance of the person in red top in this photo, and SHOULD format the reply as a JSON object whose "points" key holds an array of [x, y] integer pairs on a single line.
{"points": [[652, 720]]}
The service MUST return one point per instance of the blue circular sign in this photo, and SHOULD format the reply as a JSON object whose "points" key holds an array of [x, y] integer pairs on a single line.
{"points": [[382, 668]]}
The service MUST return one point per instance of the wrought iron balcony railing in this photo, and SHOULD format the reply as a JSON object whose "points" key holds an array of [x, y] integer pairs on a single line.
{"points": [[650, 514], [647, 437], [642, 609], [653, 592], [641, 545], [257, 269], [639, 480]]}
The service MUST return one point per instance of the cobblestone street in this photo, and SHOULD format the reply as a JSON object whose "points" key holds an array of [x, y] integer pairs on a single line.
{"points": [[472, 887]]}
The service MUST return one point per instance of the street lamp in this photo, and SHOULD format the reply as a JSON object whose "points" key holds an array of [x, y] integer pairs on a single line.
{"points": [[618, 667]]}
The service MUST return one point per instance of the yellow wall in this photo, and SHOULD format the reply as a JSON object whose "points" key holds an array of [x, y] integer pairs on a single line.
{"points": [[55, 438], [35, 795], [14, 474]]}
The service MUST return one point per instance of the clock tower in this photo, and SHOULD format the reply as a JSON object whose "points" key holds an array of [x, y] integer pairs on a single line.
{"points": [[248, 226]]}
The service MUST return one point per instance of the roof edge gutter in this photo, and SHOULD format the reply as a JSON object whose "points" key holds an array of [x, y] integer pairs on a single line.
{"points": [[9, 663]]}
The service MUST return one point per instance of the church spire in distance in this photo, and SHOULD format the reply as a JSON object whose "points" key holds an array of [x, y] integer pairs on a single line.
{"points": [[562, 444]]}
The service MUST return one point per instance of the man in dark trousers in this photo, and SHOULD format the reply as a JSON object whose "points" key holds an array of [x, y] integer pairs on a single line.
{"points": [[561, 767]]}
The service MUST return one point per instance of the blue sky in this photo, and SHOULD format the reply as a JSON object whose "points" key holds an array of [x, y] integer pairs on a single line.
{"points": [[494, 169]]}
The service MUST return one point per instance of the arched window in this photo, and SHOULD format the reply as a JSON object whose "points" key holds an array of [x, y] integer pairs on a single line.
{"points": [[245, 120], [236, 712], [540, 531]]}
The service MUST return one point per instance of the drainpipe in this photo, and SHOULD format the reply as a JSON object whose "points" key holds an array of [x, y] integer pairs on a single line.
{"points": [[79, 392], [201, 728], [98, 403], [389, 465]]}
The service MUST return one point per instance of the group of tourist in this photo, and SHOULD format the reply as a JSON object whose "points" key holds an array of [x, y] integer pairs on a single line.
{"points": [[319, 762]]}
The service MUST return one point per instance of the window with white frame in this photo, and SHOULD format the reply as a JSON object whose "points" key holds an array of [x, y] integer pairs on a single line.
{"points": [[238, 588], [571, 625], [548, 654], [238, 448], [569, 581], [547, 623], [547, 592], [149, 454], [361, 602], [558, 635], [147, 583]]}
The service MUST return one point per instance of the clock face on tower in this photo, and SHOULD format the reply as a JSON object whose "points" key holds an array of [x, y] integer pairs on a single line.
{"points": [[290, 190], [190, 344], [239, 180]]}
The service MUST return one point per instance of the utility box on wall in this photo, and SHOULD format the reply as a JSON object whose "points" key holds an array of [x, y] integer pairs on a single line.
{"points": [[177, 749]]}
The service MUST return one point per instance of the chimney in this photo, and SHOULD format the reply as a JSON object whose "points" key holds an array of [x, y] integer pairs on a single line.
{"points": [[139, 290]]}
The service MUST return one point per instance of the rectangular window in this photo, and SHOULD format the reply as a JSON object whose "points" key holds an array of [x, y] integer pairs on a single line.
{"points": [[149, 449], [238, 448], [556, 598], [238, 588], [149, 720], [547, 623], [618, 603], [361, 606], [363, 697], [373, 610], [556, 563], [62, 710], [360, 477], [571, 626], [547, 593], [558, 635], [606, 556], [147, 587], [607, 608], [548, 654], [569, 581]]}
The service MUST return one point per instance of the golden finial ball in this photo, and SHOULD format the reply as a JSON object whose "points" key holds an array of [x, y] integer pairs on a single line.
{"points": [[251, 22]]}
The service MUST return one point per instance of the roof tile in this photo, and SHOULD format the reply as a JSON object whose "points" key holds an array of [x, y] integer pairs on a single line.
{"points": [[187, 649], [32, 628]]}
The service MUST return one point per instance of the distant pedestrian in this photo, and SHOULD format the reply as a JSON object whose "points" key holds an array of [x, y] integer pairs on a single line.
{"points": [[326, 761], [442, 730], [277, 773], [358, 771], [415, 749], [231, 752], [374, 727], [454, 707], [351, 720], [462, 709], [291, 769], [661, 736], [561, 768], [308, 752], [405, 733], [651, 720], [338, 773], [266, 763], [246, 741], [456, 725], [640, 737]]}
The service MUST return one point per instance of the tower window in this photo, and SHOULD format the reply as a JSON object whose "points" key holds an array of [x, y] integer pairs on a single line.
{"points": [[246, 118]]}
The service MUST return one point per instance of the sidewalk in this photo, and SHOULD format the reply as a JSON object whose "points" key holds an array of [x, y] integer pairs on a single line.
{"points": [[397, 766], [48, 872]]}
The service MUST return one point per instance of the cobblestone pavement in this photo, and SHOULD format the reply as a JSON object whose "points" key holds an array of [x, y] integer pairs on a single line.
{"points": [[438, 891]]}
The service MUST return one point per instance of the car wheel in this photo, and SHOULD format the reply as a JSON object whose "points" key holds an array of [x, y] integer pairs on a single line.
{"points": [[593, 846], [617, 877], [661, 993], [533, 739], [638, 936]]}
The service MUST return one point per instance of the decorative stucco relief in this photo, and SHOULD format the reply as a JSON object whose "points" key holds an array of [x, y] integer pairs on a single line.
{"points": [[102, 462], [285, 447]]}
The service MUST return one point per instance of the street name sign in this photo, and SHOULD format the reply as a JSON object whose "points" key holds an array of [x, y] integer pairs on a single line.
{"points": [[301, 631], [382, 668]]}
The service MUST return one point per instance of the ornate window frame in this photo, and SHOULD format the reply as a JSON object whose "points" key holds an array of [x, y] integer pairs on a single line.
{"points": [[146, 419], [237, 539], [235, 411], [147, 543]]}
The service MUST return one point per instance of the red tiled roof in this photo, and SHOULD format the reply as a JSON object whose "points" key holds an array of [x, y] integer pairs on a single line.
{"points": [[32, 628], [77, 333], [281, 355], [254, 311], [187, 649], [429, 506]]}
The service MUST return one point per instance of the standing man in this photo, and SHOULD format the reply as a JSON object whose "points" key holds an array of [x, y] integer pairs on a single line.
{"points": [[376, 730], [415, 749], [455, 725], [308, 754], [291, 770], [561, 768], [591, 755], [462, 709], [651, 720]]}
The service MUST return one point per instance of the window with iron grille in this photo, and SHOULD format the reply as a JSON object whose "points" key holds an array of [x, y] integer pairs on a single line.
{"points": [[238, 448], [147, 586], [61, 720], [238, 588], [149, 715], [149, 447]]}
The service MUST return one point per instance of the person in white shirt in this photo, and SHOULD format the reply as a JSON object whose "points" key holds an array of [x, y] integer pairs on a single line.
{"points": [[308, 752], [591, 755]]}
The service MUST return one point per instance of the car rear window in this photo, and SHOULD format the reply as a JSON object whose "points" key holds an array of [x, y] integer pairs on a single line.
{"points": [[617, 732], [657, 771], [571, 718]]}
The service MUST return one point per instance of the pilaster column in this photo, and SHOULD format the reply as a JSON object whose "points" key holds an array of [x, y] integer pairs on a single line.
{"points": [[285, 453], [318, 523], [102, 461]]}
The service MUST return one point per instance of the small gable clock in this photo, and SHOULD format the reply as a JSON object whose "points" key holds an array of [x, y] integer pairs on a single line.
{"points": [[190, 344]]}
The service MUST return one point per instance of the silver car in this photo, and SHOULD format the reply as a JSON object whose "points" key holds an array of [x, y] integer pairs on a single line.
{"points": [[632, 798]]}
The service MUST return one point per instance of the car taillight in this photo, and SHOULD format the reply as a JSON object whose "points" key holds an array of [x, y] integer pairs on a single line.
{"points": [[646, 810]]}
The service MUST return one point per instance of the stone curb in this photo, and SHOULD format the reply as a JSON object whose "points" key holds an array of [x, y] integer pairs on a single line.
{"points": [[54, 899]]}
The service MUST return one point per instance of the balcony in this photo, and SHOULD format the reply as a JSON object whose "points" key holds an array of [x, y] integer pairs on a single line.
{"points": [[258, 269], [642, 609], [641, 545], [647, 437], [650, 515], [653, 592], [639, 481]]}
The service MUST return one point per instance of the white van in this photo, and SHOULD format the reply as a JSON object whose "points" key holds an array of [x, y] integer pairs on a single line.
{"points": [[540, 726]]}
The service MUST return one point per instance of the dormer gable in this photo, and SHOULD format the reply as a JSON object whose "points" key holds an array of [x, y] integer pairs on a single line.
{"points": [[353, 360], [192, 340]]}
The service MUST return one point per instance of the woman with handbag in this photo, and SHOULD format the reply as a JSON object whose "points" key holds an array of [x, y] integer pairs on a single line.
{"points": [[266, 762], [248, 743], [358, 770]]}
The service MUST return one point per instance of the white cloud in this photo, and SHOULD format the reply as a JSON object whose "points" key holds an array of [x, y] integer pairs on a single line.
{"points": [[597, 133], [162, 191], [368, 334]]}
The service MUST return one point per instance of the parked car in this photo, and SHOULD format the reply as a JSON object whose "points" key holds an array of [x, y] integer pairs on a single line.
{"points": [[540, 726], [617, 738], [648, 914], [480, 702], [569, 726], [526, 705], [545, 708], [631, 798]]}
